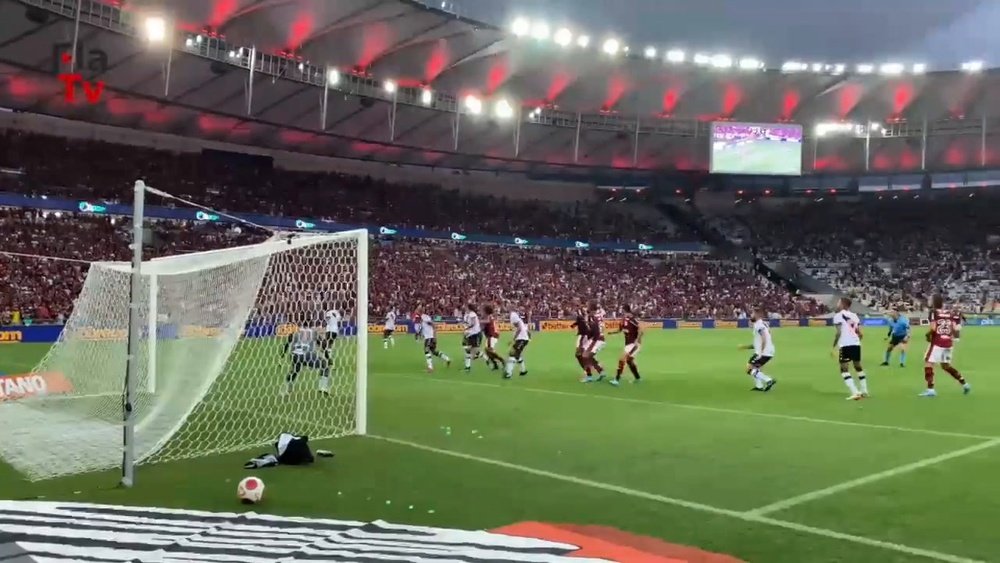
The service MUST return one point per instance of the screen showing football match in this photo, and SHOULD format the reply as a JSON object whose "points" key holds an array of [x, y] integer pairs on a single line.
{"points": [[756, 148]]}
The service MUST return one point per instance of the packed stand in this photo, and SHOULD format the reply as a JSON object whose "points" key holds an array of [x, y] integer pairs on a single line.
{"points": [[891, 253], [96, 170]]}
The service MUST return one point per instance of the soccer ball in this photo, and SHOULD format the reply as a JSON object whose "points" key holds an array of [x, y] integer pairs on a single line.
{"points": [[250, 490]]}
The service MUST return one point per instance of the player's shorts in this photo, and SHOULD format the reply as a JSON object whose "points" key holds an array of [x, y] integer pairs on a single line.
{"points": [[387, 332], [518, 348], [473, 340], [938, 355], [581, 341], [430, 345], [491, 342], [631, 350], [759, 361], [595, 346], [897, 340], [850, 354]]}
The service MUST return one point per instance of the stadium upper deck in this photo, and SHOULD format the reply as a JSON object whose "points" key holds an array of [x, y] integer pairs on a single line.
{"points": [[263, 73]]}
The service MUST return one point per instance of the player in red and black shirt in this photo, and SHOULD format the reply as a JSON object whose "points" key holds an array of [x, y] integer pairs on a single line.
{"points": [[492, 337], [633, 339], [582, 329], [595, 342]]}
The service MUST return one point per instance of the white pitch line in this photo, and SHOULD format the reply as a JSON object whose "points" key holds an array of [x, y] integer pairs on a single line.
{"points": [[888, 473], [703, 408], [744, 516]]}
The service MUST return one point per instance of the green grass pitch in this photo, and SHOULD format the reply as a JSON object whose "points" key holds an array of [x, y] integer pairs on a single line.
{"points": [[691, 456], [762, 157]]}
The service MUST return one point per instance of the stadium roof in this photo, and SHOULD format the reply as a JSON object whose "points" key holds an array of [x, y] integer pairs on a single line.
{"points": [[299, 46]]}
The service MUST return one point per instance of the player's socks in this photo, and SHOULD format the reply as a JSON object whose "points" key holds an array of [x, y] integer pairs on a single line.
{"points": [[385, 344], [468, 361], [863, 382], [849, 381], [508, 371], [621, 368], [954, 373], [635, 370], [929, 377], [966, 389], [324, 384], [902, 359], [888, 356], [430, 362], [287, 388], [523, 366]]}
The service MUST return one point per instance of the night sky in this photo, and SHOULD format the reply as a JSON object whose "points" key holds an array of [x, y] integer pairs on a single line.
{"points": [[941, 33]]}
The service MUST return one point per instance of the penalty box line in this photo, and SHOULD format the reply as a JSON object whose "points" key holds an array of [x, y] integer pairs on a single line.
{"points": [[702, 408], [696, 506], [861, 481]]}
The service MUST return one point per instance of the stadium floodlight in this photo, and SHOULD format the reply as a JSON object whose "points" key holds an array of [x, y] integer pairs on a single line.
{"points": [[521, 27], [426, 96], [816, 67], [722, 61], [793, 66], [198, 39], [302, 67], [839, 68], [232, 54], [390, 87], [702, 59], [503, 110], [676, 56], [872, 126], [972, 66], [155, 28], [918, 68], [834, 127], [583, 41], [189, 42], [473, 105], [611, 46], [866, 68], [540, 31], [650, 52], [891, 69], [332, 76], [750, 63], [563, 37]]}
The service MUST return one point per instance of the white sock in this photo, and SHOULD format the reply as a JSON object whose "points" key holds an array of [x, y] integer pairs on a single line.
{"points": [[445, 358], [761, 377], [849, 381], [430, 361], [863, 380], [524, 366], [324, 383], [468, 360], [385, 344], [509, 370], [392, 340]]}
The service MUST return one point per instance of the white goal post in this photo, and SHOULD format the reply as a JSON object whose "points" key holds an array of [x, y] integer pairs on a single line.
{"points": [[187, 354]]}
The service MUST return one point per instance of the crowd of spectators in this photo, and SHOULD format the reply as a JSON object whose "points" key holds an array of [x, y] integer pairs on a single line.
{"points": [[405, 274], [96, 170], [891, 252]]}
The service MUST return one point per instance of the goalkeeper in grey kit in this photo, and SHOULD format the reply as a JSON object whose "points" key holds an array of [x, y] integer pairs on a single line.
{"points": [[304, 345]]}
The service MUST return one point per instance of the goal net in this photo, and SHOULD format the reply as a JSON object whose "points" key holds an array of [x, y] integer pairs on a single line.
{"points": [[211, 366]]}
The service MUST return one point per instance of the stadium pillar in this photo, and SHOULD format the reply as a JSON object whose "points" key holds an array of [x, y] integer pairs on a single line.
{"points": [[868, 146], [392, 115], [517, 132], [253, 63], [635, 141], [325, 100], [76, 35], [982, 143], [166, 70], [576, 139], [456, 125], [923, 146], [815, 150]]}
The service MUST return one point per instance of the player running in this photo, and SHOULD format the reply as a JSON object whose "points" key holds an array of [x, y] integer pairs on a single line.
{"points": [[430, 343], [763, 351], [472, 337], [333, 320], [898, 337], [847, 343], [945, 329], [582, 329], [389, 330], [492, 333], [595, 343], [521, 339], [303, 343], [633, 340]]}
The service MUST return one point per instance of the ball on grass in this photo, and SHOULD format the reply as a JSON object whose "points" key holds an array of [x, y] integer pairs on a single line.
{"points": [[250, 490]]}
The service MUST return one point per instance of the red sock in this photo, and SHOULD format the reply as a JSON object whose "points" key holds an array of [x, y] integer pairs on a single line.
{"points": [[929, 377], [954, 373]]}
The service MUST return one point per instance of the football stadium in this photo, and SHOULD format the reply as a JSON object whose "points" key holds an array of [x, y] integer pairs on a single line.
{"points": [[389, 280]]}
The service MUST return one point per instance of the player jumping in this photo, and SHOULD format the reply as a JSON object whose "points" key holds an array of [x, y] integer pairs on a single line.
{"points": [[492, 337], [898, 337], [595, 342], [945, 329], [847, 343], [763, 351], [389, 330], [521, 339], [303, 343], [472, 338], [633, 340], [430, 343]]}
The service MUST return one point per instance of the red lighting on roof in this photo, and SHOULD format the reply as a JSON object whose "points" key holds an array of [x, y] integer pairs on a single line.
{"points": [[833, 190]]}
